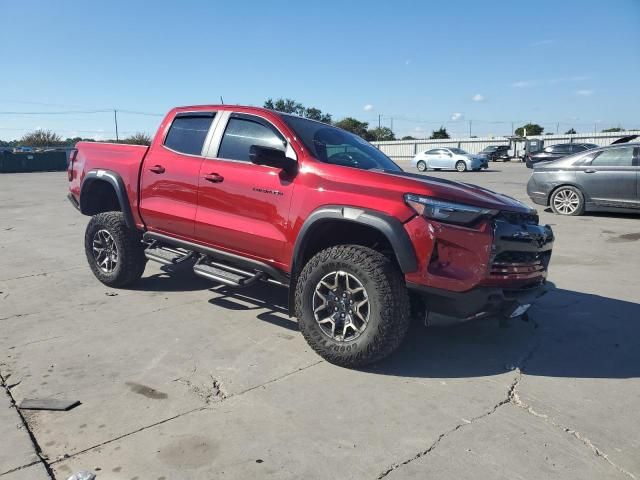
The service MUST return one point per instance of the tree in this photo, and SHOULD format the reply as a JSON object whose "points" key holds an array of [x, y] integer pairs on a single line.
{"points": [[72, 141], [440, 133], [41, 138], [571, 131], [317, 114], [382, 134], [614, 129], [287, 105], [352, 125], [531, 128], [408, 137], [138, 138]]}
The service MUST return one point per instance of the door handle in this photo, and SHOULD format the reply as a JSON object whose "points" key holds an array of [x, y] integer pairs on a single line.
{"points": [[590, 170], [214, 178], [157, 169]]}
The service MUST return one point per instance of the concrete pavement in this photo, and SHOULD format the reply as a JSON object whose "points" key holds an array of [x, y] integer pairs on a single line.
{"points": [[180, 378]]}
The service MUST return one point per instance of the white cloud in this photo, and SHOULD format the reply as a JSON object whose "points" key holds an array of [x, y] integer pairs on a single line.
{"points": [[575, 78], [549, 81], [478, 97], [368, 107], [584, 93], [540, 43], [524, 83], [456, 116]]}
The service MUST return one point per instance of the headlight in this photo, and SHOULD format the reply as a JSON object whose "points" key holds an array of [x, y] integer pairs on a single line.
{"points": [[448, 212]]}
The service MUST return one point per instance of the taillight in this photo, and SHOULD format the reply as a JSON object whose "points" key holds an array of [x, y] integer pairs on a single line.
{"points": [[72, 158]]}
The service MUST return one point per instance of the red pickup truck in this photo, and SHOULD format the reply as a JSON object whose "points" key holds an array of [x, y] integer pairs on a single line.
{"points": [[246, 194]]}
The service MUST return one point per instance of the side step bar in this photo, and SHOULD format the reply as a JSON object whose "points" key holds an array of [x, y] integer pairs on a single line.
{"points": [[226, 274], [219, 257], [166, 256]]}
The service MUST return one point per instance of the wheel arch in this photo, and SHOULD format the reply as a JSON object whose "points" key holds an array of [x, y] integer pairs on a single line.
{"points": [[354, 226], [102, 191]]}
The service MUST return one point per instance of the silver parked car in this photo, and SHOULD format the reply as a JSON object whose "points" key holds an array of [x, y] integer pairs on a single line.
{"points": [[449, 159], [602, 179]]}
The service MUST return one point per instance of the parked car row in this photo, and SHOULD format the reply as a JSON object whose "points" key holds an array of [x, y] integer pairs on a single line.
{"points": [[570, 178]]}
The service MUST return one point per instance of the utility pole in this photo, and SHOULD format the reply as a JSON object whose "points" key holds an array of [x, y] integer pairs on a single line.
{"points": [[392, 124], [469, 128], [379, 120], [557, 128], [512, 129], [115, 119]]}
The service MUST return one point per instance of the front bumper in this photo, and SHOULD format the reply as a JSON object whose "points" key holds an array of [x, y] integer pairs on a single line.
{"points": [[478, 302]]}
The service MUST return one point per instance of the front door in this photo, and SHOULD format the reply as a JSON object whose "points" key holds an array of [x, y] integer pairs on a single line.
{"points": [[610, 179], [242, 207], [169, 176]]}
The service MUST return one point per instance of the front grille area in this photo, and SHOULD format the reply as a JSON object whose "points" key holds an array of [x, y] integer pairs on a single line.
{"points": [[519, 218], [519, 265]]}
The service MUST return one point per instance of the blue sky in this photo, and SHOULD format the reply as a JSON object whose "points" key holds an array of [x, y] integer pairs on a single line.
{"points": [[421, 63]]}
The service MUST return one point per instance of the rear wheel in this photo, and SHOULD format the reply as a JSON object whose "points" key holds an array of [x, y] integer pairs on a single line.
{"points": [[567, 200], [461, 166], [422, 166], [115, 252], [352, 305]]}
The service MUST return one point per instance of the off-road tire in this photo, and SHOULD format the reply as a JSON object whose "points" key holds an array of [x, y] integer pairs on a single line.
{"points": [[389, 315], [570, 193], [131, 259], [422, 166]]}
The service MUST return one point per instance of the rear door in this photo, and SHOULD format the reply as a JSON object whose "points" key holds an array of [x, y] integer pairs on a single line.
{"points": [[170, 175], [244, 208], [611, 178]]}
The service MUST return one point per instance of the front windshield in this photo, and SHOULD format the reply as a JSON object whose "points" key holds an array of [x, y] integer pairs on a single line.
{"points": [[458, 151], [490, 149], [339, 147]]}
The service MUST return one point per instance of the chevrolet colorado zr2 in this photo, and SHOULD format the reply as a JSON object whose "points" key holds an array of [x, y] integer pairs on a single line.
{"points": [[245, 194]]}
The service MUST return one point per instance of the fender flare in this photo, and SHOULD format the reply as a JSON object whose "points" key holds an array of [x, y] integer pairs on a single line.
{"points": [[389, 226], [115, 180]]}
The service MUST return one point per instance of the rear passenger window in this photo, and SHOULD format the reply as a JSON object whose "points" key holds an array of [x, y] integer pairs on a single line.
{"points": [[187, 133], [241, 133], [615, 157]]}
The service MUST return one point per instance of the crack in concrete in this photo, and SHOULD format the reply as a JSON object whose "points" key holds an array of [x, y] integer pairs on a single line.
{"points": [[42, 458], [41, 274], [459, 426], [21, 467], [588, 443], [514, 399], [217, 385]]}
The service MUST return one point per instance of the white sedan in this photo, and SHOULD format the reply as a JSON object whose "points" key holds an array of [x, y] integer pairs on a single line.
{"points": [[448, 159]]}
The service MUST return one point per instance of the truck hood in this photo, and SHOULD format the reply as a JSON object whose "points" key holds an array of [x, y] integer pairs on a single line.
{"points": [[462, 193]]}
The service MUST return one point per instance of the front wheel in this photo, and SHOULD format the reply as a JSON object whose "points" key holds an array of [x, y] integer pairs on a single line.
{"points": [[115, 252], [461, 166], [352, 305], [422, 166]]}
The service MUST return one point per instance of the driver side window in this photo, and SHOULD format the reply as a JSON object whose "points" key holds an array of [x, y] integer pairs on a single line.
{"points": [[242, 133]]}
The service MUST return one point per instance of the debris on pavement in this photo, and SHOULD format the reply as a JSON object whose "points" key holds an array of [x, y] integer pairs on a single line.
{"points": [[48, 404], [82, 475]]}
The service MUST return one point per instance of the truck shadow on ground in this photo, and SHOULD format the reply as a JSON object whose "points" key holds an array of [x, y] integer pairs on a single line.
{"points": [[569, 334]]}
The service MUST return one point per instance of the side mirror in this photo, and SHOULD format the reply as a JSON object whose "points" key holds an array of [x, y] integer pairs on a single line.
{"points": [[450, 154], [272, 157]]}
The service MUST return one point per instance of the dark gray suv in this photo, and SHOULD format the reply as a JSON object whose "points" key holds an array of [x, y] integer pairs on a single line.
{"points": [[602, 179]]}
